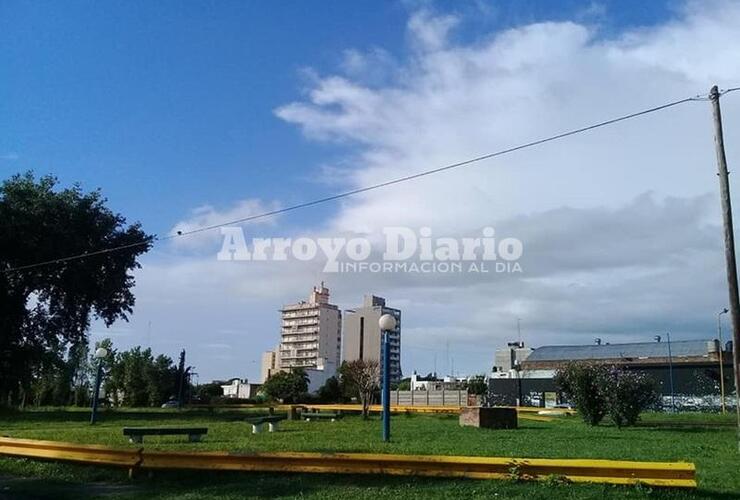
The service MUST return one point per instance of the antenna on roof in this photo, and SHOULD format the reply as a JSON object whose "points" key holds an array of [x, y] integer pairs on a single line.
{"points": [[519, 330]]}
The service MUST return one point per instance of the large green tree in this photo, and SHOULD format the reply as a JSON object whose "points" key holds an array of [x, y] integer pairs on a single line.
{"points": [[288, 387], [45, 309]]}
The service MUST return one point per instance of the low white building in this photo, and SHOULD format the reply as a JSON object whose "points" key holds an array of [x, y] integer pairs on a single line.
{"points": [[434, 383], [238, 388]]}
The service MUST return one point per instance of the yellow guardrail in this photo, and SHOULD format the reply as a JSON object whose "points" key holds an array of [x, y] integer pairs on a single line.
{"points": [[522, 410], [672, 474], [529, 413]]}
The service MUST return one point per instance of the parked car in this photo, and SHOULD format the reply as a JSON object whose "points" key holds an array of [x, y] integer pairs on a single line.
{"points": [[172, 403]]}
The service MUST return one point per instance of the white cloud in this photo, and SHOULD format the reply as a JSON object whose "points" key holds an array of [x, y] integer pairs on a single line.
{"points": [[429, 32], [619, 224], [207, 216]]}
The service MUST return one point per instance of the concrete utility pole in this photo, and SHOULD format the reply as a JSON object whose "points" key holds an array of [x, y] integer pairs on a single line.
{"points": [[724, 187], [721, 360]]}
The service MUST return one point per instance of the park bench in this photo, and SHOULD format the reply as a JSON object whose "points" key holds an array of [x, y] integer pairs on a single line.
{"points": [[321, 416], [259, 422], [136, 434]]}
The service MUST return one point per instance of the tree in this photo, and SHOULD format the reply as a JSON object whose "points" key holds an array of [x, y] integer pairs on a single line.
{"points": [[44, 309], [205, 393], [477, 385], [135, 364], [363, 378], [331, 391], [287, 386], [161, 377], [79, 371], [404, 384], [581, 383]]}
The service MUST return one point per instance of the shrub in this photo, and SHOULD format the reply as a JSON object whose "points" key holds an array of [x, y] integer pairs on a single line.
{"points": [[627, 394], [600, 390], [581, 384]]}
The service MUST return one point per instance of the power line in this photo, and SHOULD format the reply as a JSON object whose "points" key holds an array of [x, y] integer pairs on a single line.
{"points": [[372, 187]]}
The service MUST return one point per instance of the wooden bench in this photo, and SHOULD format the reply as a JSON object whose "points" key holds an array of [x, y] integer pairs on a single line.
{"points": [[136, 434], [321, 416], [259, 422]]}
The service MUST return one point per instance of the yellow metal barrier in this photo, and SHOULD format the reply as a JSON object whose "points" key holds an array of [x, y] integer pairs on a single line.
{"points": [[527, 413], [673, 474]]}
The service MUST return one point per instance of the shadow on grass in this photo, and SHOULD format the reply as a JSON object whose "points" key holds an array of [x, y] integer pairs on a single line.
{"points": [[264, 485], [110, 416], [85, 482], [28, 488]]}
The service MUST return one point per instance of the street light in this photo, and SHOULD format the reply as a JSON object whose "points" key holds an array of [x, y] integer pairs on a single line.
{"points": [[670, 369], [721, 360], [387, 323], [100, 354], [518, 369]]}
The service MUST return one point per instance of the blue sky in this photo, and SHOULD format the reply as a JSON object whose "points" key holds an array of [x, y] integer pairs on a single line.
{"points": [[237, 106], [170, 105]]}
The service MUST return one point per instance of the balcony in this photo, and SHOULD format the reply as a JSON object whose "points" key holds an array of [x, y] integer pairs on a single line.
{"points": [[296, 355], [292, 339]]}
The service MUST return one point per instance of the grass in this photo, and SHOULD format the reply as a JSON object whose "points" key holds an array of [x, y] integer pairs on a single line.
{"points": [[707, 440]]}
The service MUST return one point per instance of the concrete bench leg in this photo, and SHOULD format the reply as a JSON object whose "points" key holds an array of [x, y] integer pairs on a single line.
{"points": [[194, 438], [256, 428], [272, 426]]}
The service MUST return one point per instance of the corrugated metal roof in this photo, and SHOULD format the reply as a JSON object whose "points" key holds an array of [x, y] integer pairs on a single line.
{"points": [[620, 351]]}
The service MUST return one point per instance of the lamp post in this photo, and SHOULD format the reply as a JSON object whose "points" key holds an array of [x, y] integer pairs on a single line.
{"points": [[721, 361], [387, 323], [100, 354], [518, 369], [670, 369]]}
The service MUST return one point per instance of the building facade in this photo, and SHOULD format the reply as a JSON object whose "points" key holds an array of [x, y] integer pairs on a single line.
{"points": [[687, 375], [240, 389], [310, 334], [509, 358], [269, 364], [362, 339]]}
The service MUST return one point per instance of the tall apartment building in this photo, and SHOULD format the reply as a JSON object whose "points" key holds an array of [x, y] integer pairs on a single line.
{"points": [[362, 334], [310, 335]]}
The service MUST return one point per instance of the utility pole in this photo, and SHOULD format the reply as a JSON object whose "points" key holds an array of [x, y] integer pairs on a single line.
{"points": [[670, 374], [721, 361], [180, 378], [730, 264]]}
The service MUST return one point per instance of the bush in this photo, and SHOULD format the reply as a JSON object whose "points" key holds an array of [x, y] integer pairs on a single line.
{"points": [[581, 384], [477, 385], [600, 390], [627, 394]]}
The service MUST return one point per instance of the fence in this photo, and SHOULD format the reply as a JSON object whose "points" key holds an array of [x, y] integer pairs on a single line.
{"points": [[430, 398], [673, 474]]}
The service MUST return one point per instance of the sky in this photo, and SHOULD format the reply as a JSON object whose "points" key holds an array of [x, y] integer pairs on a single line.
{"points": [[190, 114]]}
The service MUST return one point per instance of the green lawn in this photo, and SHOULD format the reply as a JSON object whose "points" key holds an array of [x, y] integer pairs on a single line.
{"points": [[707, 440]]}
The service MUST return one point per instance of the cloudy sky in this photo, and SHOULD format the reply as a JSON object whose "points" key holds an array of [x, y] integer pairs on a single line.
{"points": [[191, 115]]}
